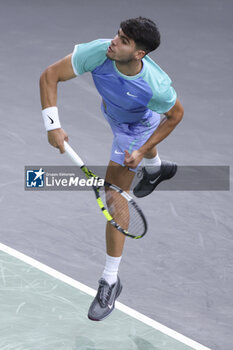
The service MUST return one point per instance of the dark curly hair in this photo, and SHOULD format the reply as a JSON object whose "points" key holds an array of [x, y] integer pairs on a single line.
{"points": [[143, 31]]}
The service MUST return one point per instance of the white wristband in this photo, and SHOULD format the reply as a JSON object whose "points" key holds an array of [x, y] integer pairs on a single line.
{"points": [[51, 118]]}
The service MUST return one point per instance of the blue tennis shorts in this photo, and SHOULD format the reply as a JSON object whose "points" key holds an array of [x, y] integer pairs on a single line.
{"points": [[131, 136]]}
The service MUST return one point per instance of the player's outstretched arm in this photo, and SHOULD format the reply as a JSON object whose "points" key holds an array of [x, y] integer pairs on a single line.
{"points": [[59, 71]]}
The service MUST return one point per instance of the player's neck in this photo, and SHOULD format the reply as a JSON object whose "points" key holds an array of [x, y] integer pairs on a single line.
{"points": [[129, 68]]}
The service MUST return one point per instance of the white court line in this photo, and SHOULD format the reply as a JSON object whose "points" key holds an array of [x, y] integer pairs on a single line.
{"points": [[82, 287]]}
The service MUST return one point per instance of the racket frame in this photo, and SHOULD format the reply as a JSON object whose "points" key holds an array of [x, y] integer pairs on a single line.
{"points": [[89, 174]]}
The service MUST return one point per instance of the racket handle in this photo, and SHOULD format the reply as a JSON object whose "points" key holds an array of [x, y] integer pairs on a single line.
{"points": [[73, 155]]}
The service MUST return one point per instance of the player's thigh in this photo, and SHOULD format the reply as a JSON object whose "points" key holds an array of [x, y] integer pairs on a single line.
{"points": [[119, 175]]}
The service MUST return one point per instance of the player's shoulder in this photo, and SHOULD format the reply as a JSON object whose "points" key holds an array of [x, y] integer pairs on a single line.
{"points": [[87, 56], [97, 46], [155, 76], [163, 94]]}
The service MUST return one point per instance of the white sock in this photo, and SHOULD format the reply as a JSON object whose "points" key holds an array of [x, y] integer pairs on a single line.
{"points": [[152, 164], [111, 269]]}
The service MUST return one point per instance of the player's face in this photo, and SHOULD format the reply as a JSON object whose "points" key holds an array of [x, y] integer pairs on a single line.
{"points": [[122, 48]]}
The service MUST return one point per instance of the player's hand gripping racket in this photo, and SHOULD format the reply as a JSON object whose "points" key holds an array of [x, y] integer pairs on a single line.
{"points": [[118, 206]]}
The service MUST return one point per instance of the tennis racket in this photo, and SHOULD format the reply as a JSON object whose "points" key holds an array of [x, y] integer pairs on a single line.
{"points": [[118, 207]]}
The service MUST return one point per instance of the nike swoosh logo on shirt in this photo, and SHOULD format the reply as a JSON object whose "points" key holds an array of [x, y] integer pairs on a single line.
{"points": [[50, 119], [129, 94]]}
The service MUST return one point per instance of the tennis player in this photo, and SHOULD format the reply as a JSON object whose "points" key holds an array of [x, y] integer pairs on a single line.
{"points": [[135, 92]]}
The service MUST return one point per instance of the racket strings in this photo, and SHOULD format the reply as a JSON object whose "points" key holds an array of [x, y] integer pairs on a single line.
{"points": [[123, 211]]}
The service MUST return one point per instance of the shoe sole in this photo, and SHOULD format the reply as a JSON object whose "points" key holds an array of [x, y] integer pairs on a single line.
{"points": [[110, 311]]}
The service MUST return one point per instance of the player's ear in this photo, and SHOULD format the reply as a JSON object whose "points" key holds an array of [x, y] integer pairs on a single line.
{"points": [[140, 54]]}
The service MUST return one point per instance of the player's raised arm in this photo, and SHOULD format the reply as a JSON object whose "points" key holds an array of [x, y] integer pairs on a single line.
{"points": [[59, 71]]}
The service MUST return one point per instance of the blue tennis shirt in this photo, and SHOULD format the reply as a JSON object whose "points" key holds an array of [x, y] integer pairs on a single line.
{"points": [[128, 99]]}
